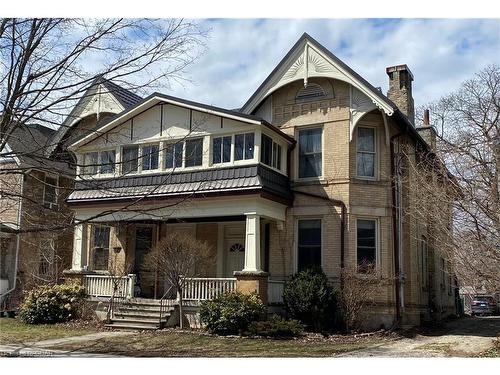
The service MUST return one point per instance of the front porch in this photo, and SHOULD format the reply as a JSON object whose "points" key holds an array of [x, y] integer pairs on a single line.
{"points": [[110, 255]]}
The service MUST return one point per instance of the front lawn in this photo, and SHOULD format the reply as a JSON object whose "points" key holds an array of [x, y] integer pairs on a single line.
{"points": [[175, 343], [13, 331]]}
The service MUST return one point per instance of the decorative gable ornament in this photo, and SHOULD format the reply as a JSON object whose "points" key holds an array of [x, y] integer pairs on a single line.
{"points": [[307, 59]]}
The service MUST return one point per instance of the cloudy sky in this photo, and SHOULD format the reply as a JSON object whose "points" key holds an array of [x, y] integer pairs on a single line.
{"points": [[440, 53]]}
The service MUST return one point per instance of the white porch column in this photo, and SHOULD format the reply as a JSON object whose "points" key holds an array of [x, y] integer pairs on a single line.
{"points": [[252, 243], [79, 247]]}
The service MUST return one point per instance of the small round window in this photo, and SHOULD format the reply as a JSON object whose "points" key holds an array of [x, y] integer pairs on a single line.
{"points": [[236, 248]]}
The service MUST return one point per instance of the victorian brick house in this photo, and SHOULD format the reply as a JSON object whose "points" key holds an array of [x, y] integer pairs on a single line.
{"points": [[304, 174]]}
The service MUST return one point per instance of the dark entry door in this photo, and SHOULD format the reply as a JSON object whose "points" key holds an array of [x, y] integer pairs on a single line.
{"points": [[145, 278]]}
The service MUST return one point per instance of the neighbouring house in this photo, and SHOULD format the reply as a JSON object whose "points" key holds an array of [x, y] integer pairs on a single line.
{"points": [[307, 173], [36, 177]]}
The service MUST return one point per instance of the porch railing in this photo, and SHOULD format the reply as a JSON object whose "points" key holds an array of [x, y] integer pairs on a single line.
{"points": [[103, 285], [275, 291], [198, 289]]}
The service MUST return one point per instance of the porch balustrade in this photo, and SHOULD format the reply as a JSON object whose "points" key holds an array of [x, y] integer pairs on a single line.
{"points": [[103, 285], [198, 289]]}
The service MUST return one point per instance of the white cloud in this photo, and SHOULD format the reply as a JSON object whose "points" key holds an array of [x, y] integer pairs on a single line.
{"points": [[440, 53]]}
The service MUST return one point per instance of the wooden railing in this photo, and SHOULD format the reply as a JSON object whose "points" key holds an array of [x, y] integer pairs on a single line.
{"points": [[198, 289], [275, 291], [103, 285]]}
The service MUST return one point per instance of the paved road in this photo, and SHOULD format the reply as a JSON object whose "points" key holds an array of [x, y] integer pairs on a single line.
{"points": [[38, 349], [465, 337]]}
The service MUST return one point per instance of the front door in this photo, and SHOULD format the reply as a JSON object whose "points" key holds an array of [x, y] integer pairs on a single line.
{"points": [[234, 248], [145, 276]]}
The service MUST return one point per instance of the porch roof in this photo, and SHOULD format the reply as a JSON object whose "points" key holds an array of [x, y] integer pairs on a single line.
{"points": [[226, 180]]}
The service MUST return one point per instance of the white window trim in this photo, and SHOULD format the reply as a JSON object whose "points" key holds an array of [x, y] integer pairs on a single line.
{"points": [[377, 241], [376, 173], [141, 147], [92, 244], [231, 156], [282, 170], [55, 204], [297, 153], [296, 240], [99, 174]]}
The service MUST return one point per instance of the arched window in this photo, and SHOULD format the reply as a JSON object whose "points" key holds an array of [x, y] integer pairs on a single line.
{"points": [[312, 91]]}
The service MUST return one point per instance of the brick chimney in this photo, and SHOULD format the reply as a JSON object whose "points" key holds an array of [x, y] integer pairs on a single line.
{"points": [[427, 131], [400, 79]]}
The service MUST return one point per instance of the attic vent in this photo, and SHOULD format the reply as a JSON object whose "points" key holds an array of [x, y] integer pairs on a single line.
{"points": [[312, 91]]}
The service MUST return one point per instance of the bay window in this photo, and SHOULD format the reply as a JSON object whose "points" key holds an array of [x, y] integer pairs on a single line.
{"points": [[107, 164], [221, 150], [130, 159], [194, 152], [150, 155], [173, 155], [310, 153], [270, 152], [366, 155], [244, 146]]}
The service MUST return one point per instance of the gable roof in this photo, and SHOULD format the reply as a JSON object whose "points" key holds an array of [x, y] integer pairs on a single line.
{"points": [[297, 63], [28, 144], [157, 98], [124, 97]]}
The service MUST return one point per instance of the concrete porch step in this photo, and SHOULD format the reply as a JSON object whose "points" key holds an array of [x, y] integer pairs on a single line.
{"points": [[138, 314], [138, 320], [133, 326]]}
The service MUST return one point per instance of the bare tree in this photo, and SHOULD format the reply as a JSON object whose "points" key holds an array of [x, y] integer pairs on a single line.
{"points": [[358, 292], [466, 224], [177, 258]]}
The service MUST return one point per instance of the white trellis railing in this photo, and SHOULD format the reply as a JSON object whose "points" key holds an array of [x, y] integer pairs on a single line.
{"points": [[275, 290], [198, 289], [103, 285]]}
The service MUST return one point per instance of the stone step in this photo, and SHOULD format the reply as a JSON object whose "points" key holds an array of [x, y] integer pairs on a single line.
{"points": [[139, 314], [138, 320], [133, 326]]}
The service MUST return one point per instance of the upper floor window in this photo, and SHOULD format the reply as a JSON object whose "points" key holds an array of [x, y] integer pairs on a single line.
{"points": [[173, 155], [365, 157], [90, 162], [194, 152], [270, 152], [150, 155], [366, 243], [130, 159], [309, 244], [243, 146], [221, 150], [107, 164], [311, 91], [50, 191], [310, 153]]}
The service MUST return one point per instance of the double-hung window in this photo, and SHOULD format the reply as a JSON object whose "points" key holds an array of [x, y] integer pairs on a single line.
{"points": [[47, 256], [50, 192], [244, 146], [366, 240], [310, 153], [270, 152], [101, 247], [309, 244], [221, 150], [90, 162], [366, 153], [194, 152], [130, 159], [107, 164], [173, 155], [150, 155]]}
